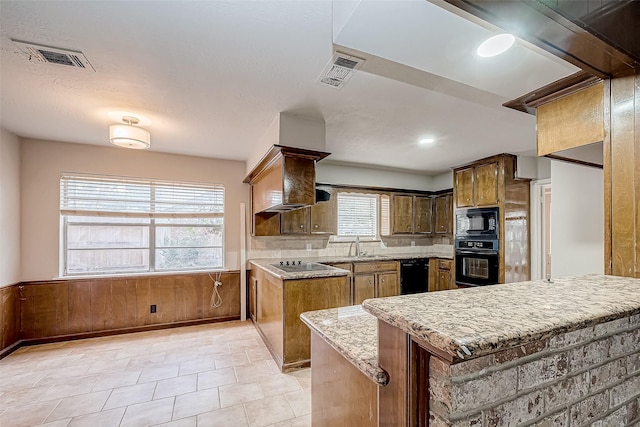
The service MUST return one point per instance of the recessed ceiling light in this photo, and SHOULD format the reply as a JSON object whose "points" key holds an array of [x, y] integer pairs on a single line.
{"points": [[495, 45], [427, 140]]}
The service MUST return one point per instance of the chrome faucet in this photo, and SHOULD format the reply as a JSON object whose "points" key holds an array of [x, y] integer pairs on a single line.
{"points": [[359, 253]]}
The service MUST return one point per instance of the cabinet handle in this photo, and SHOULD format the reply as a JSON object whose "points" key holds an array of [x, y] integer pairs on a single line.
{"points": [[382, 280], [482, 197], [418, 226], [315, 226], [301, 225], [467, 199]]}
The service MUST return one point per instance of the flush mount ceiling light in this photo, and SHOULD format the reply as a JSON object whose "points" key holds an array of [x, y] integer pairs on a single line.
{"points": [[495, 45], [427, 141], [129, 135]]}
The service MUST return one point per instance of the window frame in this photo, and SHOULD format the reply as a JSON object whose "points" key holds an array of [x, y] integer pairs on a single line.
{"points": [[152, 225]]}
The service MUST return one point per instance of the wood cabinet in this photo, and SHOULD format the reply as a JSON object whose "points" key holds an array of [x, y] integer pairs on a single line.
{"points": [[440, 275], [423, 223], [443, 208], [402, 217], [492, 182], [295, 222], [253, 296], [279, 304], [412, 214], [375, 280], [477, 185], [313, 220]]}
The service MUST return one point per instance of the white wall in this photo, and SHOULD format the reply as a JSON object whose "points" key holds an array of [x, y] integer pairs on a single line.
{"points": [[577, 219], [351, 174], [43, 161], [9, 208]]}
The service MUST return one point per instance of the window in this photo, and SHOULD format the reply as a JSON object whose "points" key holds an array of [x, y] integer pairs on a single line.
{"points": [[357, 214], [114, 225]]}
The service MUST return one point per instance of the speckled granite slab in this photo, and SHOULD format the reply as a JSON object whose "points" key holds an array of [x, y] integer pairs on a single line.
{"points": [[329, 272], [353, 333], [265, 263], [469, 323]]}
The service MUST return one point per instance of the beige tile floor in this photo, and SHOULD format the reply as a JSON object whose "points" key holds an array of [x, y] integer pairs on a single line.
{"points": [[208, 375]]}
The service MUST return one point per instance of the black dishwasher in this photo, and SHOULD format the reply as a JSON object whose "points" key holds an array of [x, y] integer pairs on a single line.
{"points": [[414, 276]]}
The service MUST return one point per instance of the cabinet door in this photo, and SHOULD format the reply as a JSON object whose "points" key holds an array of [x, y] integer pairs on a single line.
{"points": [[423, 220], [464, 187], [402, 214], [294, 222], [323, 217], [253, 295], [486, 184], [387, 285], [444, 213], [363, 288], [444, 280]]}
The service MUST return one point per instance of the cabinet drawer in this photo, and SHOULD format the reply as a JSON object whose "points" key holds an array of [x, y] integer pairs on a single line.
{"points": [[369, 267], [343, 265], [444, 264]]}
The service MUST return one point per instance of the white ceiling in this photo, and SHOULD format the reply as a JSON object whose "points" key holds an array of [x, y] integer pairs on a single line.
{"points": [[212, 75]]}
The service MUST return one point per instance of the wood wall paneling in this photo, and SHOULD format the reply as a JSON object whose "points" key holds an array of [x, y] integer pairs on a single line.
{"points": [[571, 121], [9, 316], [624, 170]]}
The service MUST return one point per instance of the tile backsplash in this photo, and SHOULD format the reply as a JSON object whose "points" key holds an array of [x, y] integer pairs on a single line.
{"points": [[312, 247]]}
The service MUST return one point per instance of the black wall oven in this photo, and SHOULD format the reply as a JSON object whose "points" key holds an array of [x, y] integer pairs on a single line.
{"points": [[477, 262], [477, 247]]}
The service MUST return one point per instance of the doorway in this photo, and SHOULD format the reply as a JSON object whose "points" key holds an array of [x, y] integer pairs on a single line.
{"points": [[541, 229]]}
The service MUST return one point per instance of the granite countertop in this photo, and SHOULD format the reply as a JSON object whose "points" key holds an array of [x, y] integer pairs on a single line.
{"points": [[265, 263], [353, 333], [469, 323]]}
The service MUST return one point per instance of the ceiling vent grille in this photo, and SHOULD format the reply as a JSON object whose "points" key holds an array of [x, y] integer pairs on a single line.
{"points": [[339, 70], [54, 55]]}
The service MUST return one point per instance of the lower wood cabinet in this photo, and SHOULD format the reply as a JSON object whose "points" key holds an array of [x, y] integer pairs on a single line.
{"points": [[441, 275], [375, 280], [278, 305]]}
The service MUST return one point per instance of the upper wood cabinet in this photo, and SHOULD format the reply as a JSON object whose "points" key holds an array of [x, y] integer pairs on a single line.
{"points": [[443, 213], [423, 215], [295, 222], [463, 179], [485, 185], [412, 214], [477, 185], [323, 216], [402, 214]]}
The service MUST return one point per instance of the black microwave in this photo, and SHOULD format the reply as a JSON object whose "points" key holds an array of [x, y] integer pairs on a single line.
{"points": [[477, 222]]}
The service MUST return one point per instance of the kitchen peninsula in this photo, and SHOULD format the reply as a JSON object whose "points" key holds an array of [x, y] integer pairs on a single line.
{"points": [[279, 291], [560, 353]]}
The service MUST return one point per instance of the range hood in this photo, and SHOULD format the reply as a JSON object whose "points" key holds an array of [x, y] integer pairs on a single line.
{"points": [[284, 180]]}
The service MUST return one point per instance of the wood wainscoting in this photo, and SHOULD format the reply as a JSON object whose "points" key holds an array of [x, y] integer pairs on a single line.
{"points": [[79, 308], [9, 318]]}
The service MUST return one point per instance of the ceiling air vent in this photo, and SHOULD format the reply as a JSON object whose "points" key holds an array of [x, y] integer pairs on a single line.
{"points": [[339, 70], [54, 55]]}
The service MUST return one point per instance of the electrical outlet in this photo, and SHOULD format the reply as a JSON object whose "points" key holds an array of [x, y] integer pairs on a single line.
{"points": [[152, 309], [413, 243]]}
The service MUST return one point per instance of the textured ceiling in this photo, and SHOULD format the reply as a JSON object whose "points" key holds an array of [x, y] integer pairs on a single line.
{"points": [[212, 75]]}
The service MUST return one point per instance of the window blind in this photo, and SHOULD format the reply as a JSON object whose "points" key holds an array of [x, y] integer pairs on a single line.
{"points": [[95, 195], [357, 214]]}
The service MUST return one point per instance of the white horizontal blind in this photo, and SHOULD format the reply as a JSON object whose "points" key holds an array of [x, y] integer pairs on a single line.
{"points": [[95, 195], [357, 214], [385, 216]]}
